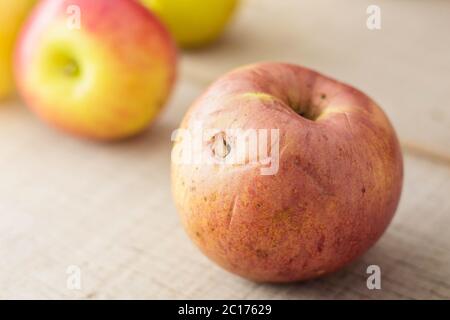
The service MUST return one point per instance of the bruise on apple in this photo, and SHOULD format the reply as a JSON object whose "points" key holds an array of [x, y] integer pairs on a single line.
{"points": [[337, 188]]}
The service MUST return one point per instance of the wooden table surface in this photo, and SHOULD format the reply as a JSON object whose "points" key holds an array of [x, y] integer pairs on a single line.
{"points": [[106, 209]]}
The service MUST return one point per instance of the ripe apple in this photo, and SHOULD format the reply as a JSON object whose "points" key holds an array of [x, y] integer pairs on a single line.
{"points": [[12, 15], [194, 22], [337, 185], [101, 69]]}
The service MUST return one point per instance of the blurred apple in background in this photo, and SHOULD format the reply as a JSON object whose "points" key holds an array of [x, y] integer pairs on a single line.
{"points": [[12, 15], [194, 22], [106, 78]]}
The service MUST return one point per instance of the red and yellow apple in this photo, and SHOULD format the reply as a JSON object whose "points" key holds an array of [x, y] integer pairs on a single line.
{"points": [[100, 69], [12, 15], [194, 22], [337, 186]]}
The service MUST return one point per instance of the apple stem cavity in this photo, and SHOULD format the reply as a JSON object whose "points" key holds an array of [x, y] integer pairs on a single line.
{"points": [[306, 111], [71, 69]]}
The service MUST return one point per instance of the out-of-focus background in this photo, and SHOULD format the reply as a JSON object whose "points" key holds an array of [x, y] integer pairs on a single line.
{"points": [[106, 209]]}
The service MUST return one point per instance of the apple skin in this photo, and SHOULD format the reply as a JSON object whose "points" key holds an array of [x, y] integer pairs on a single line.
{"points": [[12, 15], [106, 80], [194, 23], [337, 188]]}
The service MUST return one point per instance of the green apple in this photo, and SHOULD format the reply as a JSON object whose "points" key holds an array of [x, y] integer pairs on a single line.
{"points": [[12, 14], [193, 22], [106, 78]]}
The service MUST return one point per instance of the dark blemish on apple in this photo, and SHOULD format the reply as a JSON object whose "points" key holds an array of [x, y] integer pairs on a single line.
{"points": [[258, 205], [261, 254], [198, 235], [323, 96], [363, 190], [305, 264], [220, 146], [320, 243]]}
